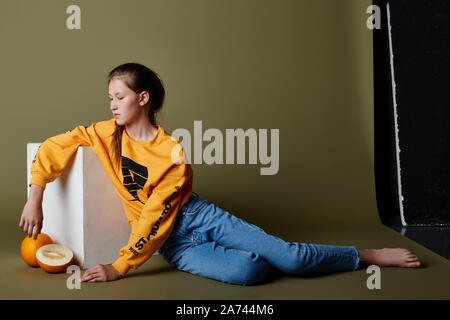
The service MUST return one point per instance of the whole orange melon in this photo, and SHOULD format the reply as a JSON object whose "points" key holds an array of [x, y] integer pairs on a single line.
{"points": [[30, 246]]}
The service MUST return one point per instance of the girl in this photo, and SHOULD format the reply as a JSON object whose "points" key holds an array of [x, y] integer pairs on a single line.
{"points": [[155, 184]]}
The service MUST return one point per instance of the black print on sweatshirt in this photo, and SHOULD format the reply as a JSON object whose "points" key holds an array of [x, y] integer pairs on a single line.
{"points": [[134, 177], [34, 159], [167, 204]]}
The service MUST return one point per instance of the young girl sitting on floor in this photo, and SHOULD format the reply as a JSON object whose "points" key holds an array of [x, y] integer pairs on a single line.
{"points": [[156, 189]]}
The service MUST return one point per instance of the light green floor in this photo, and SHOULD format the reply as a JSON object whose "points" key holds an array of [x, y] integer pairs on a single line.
{"points": [[156, 279]]}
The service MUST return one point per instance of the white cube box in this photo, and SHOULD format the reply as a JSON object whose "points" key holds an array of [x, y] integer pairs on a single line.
{"points": [[82, 210]]}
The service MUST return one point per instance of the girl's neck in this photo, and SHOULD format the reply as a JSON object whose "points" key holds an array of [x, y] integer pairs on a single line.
{"points": [[141, 130]]}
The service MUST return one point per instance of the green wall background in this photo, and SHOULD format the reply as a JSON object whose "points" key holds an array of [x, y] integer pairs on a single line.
{"points": [[301, 66]]}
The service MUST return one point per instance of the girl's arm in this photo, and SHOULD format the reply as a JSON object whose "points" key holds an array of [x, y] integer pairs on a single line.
{"points": [[157, 219], [49, 162], [55, 153], [31, 219]]}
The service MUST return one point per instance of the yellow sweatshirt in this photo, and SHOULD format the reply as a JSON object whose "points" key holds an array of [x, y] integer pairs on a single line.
{"points": [[152, 184]]}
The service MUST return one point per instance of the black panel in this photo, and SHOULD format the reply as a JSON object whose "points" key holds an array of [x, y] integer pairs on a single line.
{"points": [[420, 33]]}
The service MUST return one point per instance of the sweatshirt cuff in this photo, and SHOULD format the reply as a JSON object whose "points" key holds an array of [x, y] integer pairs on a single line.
{"points": [[121, 266], [39, 179]]}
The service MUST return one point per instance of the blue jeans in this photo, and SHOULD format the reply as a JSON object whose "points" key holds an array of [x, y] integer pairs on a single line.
{"points": [[210, 242]]}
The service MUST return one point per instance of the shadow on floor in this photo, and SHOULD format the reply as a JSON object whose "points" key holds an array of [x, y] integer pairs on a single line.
{"points": [[437, 239]]}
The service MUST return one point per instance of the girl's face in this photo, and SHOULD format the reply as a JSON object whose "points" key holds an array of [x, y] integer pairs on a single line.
{"points": [[126, 105]]}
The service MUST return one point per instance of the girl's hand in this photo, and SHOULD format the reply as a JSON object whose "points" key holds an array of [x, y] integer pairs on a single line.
{"points": [[101, 273], [31, 219]]}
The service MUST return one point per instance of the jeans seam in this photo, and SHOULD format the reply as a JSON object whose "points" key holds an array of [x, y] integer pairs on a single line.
{"points": [[334, 253], [196, 210], [346, 255]]}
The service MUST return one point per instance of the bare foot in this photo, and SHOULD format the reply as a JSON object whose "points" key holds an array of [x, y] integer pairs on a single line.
{"points": [[389, 257]]}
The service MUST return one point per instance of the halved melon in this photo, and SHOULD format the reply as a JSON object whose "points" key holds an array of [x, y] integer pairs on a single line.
{"points": [[54, 257]]}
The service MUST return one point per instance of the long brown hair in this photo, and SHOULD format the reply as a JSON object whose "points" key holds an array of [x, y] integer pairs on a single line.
{"points": [[138, 78]]}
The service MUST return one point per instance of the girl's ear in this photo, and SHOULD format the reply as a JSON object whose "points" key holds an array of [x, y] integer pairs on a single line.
{"points": [[144, 98]]}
